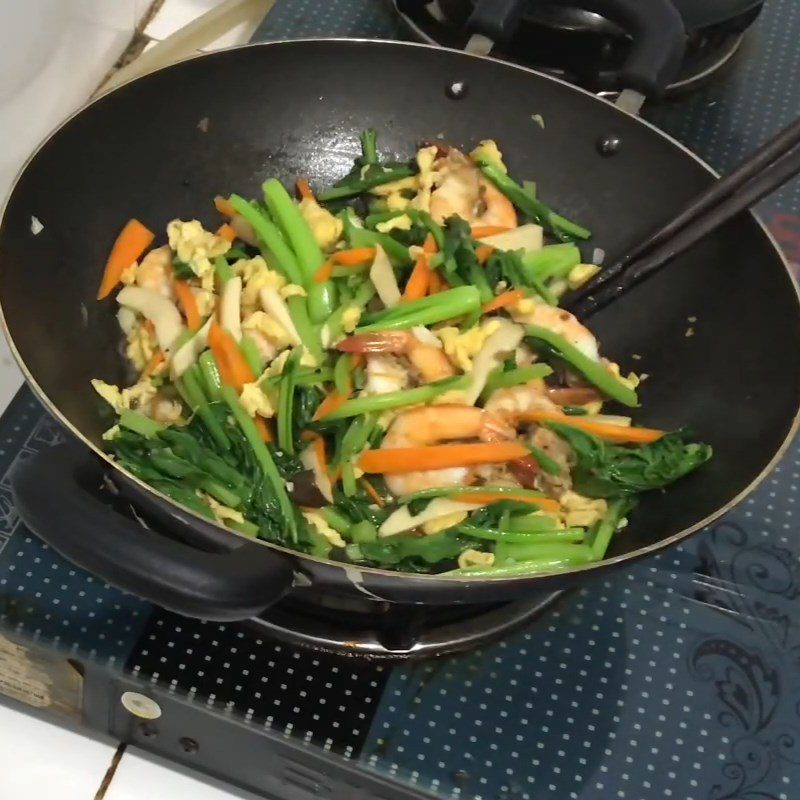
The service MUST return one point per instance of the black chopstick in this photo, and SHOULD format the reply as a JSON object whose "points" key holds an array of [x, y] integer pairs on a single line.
{"points": [[780, 171], [763, 173]]}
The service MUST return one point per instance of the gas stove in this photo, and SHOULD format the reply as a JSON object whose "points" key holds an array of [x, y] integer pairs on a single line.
{"points": [[675, 677], [584, 47]]}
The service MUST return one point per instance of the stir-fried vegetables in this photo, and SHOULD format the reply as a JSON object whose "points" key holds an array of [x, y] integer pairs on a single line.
{"points": [[380, 373]]}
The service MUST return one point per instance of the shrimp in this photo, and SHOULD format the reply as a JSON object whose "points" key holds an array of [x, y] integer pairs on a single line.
{"points": [[559, 321], [431, 362], [385, 374], [429, 425], [463, 190], [155, 271]]}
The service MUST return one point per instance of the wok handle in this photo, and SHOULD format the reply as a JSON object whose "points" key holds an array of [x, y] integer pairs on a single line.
{"points": [[656, 29], [57, 493]]}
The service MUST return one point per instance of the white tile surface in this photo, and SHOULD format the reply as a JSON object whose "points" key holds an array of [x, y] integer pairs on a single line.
{"points": [[38, 760], [142, 777]]}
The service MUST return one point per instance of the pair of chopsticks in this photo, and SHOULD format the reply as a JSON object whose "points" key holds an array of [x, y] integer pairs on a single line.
{"points": [[762, 173]]}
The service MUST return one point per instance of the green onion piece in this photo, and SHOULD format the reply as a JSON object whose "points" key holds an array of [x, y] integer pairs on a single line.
{"points": [[361, 237], [371, 220], [506, 553], [529, 187], [574, 411], [369, 146], [235, 253], [209, 373], [363, 531], [427, 311], [553, 262], [567, 535], [313, 377], [249, 350], [308, 333], [594, 372], [555, 223], [294, 228], [548, 465], [338, 521], [341, 374], [451, 491], [139, 423], [247, 528], [270, 235], [407, 397], [263, 458], [286, 403], [363, 295], [435, 229], [223, 270], [197, 402], [378, 177], [606, 527], [321, 300], [349, 486], [498, 379]]}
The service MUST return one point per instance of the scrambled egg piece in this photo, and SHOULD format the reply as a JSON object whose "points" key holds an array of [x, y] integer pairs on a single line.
{"points": [[254, 400], [475, 558], [350, 319], [141, 346], [442, 523], [221, 512], [385, 189], [125, 399], [206, 301], [196, 246], [293, 290], [333, 536], [111, 433], [632, 381], [488, 150], [581, 274], [128, 275], [426, 156], [268, 326], [326, 228], [255, 274], [277, 364], [580, 511], [401, 223], [397, 202], [461, 348]]}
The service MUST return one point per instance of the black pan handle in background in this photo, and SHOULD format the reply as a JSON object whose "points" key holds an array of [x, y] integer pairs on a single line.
{"points": [[57, 493], [658, 36]]}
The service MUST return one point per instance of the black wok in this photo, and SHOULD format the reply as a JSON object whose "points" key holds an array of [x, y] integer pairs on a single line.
{"points": [[290, 109]]}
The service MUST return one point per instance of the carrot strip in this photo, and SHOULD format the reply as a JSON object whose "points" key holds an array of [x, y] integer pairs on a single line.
{"points": [[263, 429], [504, 300], [488, 230], [333, 401], [132, 241], [189, 304], [319, 452], [419, 280], [370, 490], [344, 258], [612, 433], [224, 206], [435, 282], [304, 190], [233, 367], [483, 253], [429, 245], [226, 232], [410, 459], [153, 364], [545, 503]]}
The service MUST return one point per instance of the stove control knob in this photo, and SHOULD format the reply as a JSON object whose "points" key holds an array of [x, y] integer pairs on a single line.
{"points": [[140, 705]]}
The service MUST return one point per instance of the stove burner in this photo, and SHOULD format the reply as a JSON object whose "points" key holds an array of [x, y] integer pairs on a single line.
{"points": [[387, 631], [583, 47]]}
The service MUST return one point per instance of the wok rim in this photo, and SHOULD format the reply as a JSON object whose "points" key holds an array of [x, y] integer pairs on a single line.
{"points": [[456, 580]]}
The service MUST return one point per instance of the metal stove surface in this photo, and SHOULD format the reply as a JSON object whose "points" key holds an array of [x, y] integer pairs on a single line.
{"points": [[676, 678]]}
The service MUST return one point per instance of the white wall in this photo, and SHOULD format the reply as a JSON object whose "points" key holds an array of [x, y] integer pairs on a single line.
{"points": [[53, 54]]}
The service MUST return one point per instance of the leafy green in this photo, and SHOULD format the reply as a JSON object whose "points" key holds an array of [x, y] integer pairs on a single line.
{"points": [[492, 515], [181, 270], [361, 507], [414, 553], [609, 470]]}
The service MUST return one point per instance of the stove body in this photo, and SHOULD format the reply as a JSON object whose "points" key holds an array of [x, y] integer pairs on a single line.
{"points": [[678, 673]]}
